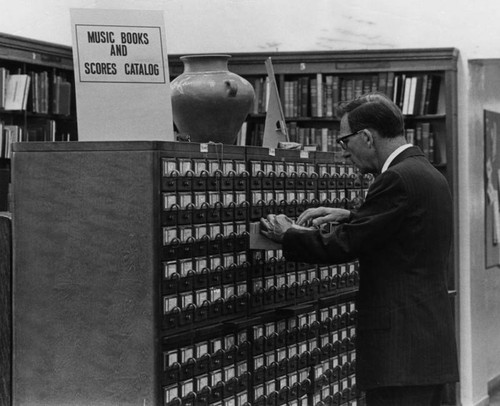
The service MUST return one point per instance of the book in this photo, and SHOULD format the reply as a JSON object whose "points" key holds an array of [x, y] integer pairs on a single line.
{"points": [[431, 148], [389, 89], [44, 92], [16, 94], [396, 94], [12, 133], [64, 98], [313, 94], [319, 95], [410, 135], [2, 141], [412, 95], [358, 88], [418, 94], [405, 104], [432, 97], [349, 89], [304, 97], [418, 135], [324, 139], [382, 82], [423, 95], [425, 139], [374, 83], [40, 129], [401, 91], [439, 148], [329, 96], [4, 73], [336, 95]]}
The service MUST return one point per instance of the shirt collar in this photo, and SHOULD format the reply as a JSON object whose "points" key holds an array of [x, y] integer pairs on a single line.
{"points": [[394, 154]]}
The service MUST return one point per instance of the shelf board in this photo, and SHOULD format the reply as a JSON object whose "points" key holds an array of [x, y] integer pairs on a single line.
{"points": [[302, 119], [262, 116], [425, 117]]}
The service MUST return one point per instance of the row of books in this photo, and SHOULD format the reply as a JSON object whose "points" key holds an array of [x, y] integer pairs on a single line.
{"points": [[40, 130], [49, 95], [321, 95], [319, 139], [35, 91], [311, 138], [422, 135], [430, 142]]}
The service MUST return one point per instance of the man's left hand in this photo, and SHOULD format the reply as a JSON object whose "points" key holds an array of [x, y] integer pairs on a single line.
{"points": [[275, 226]]}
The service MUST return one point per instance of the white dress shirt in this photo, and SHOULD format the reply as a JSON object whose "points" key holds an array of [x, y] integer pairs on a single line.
{"points": [[394, 154]]}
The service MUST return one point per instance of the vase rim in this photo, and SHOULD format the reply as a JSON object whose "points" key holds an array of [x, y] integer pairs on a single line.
{"points": [[227, 56]]}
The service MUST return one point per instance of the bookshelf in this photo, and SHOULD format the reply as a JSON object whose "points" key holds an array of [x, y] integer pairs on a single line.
{"points": [[37, 101], [421, 81]]}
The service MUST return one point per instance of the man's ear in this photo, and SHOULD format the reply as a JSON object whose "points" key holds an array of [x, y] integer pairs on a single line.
{"points": [[369, 137]]}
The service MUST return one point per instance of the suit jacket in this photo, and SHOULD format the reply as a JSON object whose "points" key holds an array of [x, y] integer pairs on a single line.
{"points": [[401, 236]]}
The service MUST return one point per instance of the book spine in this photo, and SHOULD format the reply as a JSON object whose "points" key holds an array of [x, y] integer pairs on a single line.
{"points": [[305, 97], [329, 96], [295, 105], [336, 95], [319, 95], [389, 89], [425, 139], [314, 97]]}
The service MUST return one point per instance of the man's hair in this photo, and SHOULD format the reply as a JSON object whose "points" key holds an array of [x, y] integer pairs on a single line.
{"points": [[374, 110]]}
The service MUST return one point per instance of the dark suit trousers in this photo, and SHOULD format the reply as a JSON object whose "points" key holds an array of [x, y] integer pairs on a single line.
{"points": [[429, 395]]}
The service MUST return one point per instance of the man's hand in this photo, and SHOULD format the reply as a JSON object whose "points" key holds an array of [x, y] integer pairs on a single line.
{"points": [[274, 226], [320, 215]]}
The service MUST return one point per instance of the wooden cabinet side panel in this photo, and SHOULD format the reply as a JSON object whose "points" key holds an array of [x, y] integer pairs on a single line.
{"points": [[85, 289], [5, 311]]}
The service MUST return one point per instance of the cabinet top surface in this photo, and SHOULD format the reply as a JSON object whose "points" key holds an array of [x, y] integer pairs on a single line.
{"points": [[167, 149], [92, 146], [80, 146]]}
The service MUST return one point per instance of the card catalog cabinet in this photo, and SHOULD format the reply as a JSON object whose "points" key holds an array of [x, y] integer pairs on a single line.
{"points": [[134, 282]]}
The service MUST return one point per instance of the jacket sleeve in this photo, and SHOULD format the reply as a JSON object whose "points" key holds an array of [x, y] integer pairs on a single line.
{"points": [[378, 219]]}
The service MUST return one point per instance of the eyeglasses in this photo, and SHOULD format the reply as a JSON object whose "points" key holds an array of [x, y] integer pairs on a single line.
{"points": [[342, 140]]}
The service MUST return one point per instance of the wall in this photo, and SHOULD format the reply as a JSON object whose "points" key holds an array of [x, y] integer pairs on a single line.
{"points": [[267, 25], [484, 300], [195, 26]]}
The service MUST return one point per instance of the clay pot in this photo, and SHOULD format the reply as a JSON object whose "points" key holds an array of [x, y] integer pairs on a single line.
{"points": [[210, 103]]}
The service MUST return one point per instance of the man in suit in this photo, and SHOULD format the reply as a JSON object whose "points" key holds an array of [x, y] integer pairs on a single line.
{"points": [[401, 235]]}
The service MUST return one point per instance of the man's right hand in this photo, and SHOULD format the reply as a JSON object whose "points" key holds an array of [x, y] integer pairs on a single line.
{"points": [[320, 215]]}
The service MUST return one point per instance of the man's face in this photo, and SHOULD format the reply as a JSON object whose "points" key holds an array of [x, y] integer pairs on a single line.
{"points": [[357, 149]]}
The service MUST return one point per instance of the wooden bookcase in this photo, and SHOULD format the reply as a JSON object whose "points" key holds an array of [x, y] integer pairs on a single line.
{"points": [[50, 114]]}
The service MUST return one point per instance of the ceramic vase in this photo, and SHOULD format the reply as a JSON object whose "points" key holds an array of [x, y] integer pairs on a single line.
{"points": [[210, 103]]}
